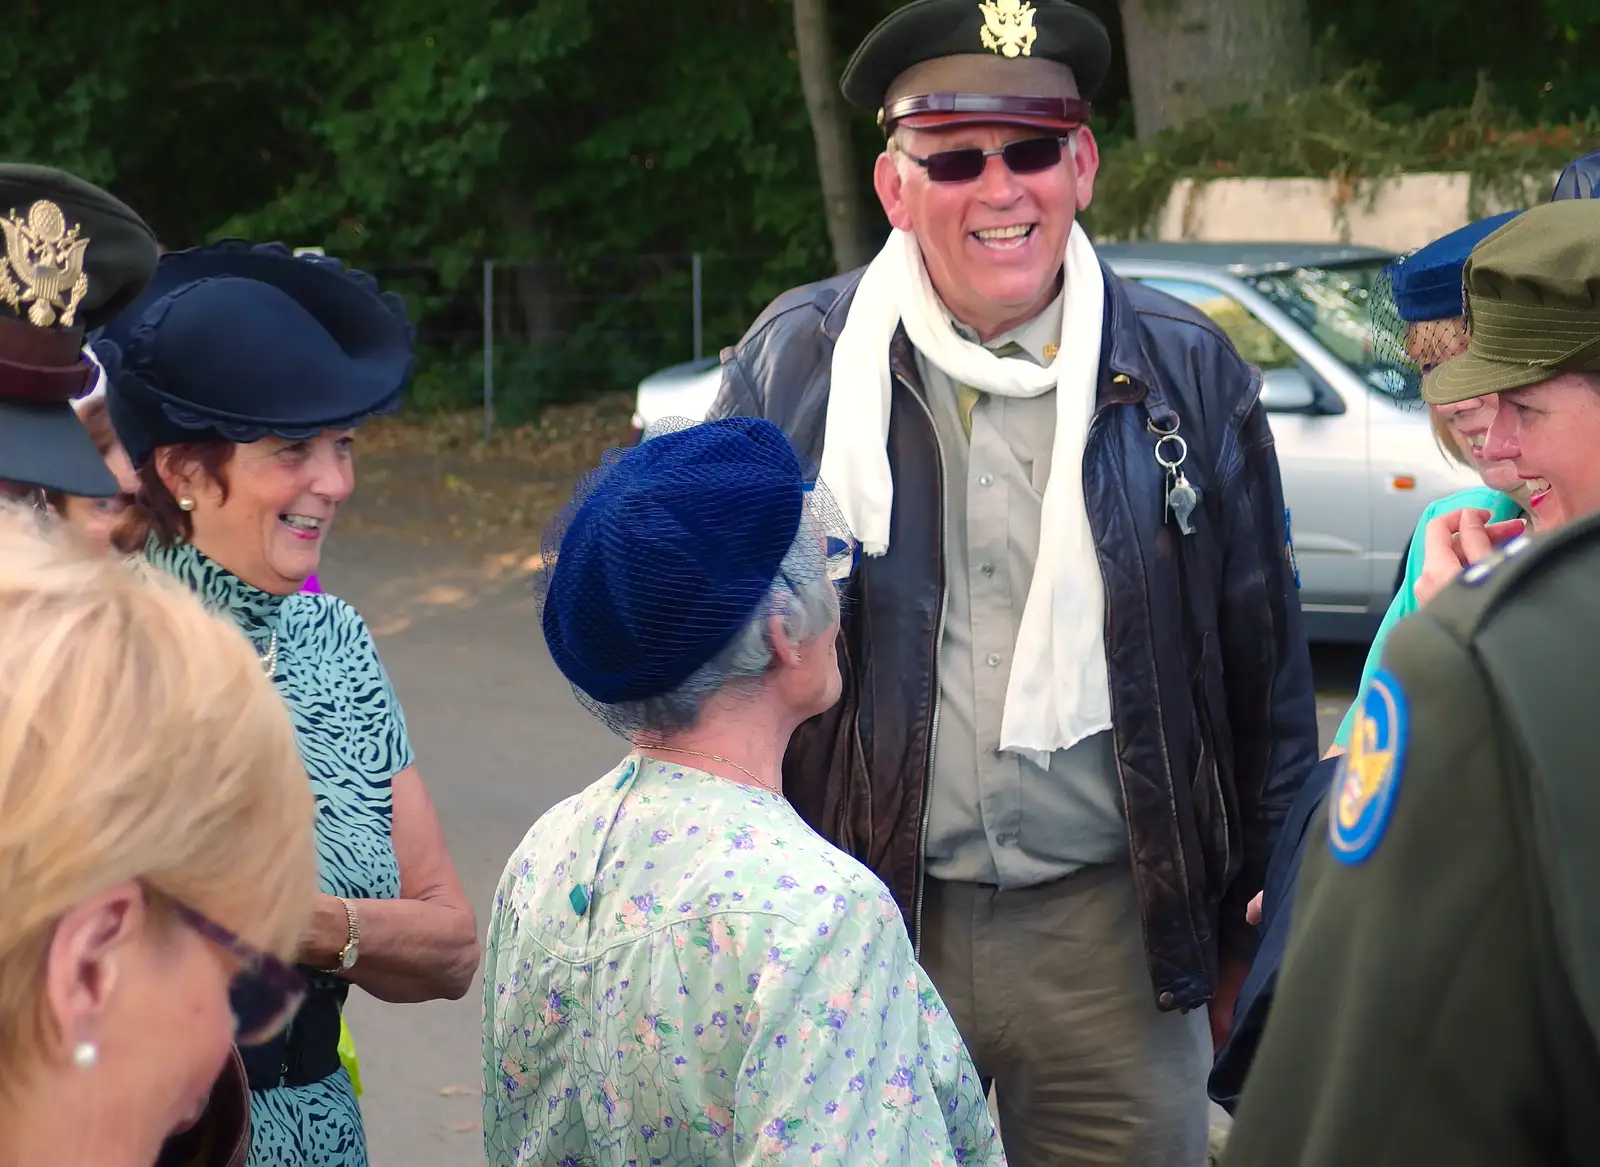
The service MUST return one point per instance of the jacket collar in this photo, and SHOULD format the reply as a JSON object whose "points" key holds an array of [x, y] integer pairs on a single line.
{"points": [[1125, 374], [834, 314]]}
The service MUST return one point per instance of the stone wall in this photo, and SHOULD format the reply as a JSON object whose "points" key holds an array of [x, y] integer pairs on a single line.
{"points": [[1396, 214]]}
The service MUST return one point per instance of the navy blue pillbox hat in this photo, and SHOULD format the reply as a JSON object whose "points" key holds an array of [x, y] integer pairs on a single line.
{"points": [[1427, 283], [665, 552]]}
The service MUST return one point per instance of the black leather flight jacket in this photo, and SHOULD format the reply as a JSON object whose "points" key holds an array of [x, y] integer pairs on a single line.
{"points": [[1213, 709]]}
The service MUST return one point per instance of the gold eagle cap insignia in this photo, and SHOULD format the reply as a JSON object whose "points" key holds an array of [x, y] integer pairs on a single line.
{"points": [[1008, 27], [42, 269]]}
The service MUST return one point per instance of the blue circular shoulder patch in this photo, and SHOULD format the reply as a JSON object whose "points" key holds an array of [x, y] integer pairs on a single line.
{"points": [[1369, 772]]}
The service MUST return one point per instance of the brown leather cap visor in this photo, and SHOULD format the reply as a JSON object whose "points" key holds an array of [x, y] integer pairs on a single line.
{"points": [[42, 442], [931, 111], [41, 366]]}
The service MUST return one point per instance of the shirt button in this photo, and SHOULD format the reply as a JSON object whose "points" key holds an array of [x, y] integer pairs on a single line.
{"points": [[1165, 1000], [986, 480], [994, 660], [987, 569], [1006, 839]]}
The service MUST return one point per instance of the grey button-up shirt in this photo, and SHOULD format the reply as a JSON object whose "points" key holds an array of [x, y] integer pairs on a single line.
{"points": [[994, 817]]}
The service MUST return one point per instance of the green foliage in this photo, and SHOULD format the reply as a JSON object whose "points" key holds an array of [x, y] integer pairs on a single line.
{"points": [[1429, 54], [589, 148], [1334, 131]]}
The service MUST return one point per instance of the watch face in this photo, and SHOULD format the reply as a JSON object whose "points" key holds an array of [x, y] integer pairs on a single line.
{"points": [[348, 958]]}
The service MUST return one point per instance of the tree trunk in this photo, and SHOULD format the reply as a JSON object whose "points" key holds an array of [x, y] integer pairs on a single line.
{"points": [[1188, 57], [830, 128]]}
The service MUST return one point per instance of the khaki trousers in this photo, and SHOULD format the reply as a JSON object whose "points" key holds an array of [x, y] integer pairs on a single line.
{"points": [[1050, 990]]}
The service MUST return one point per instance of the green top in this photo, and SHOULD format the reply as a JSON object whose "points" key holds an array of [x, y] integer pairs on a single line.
{"points": [[1439, 997], [1500, 507]]}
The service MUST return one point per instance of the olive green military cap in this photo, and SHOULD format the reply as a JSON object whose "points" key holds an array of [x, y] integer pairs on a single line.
{"points": [[74, 257], [936, 63], [1532, 302]]}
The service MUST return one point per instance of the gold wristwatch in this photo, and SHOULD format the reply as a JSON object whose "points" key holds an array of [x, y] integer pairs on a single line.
{"points": [[346, 958]]}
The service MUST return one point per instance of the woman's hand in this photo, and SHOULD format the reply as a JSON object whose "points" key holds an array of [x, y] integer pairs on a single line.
{"points": [[1454, 542]]}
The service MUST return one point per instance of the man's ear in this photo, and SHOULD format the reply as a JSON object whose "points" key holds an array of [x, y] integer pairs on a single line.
{"points": [[81, 963], [890, 186], [1087, 162]]}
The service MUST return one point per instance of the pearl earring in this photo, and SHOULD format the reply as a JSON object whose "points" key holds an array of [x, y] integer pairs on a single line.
{"points": [[85, 1055], [186, 503]]}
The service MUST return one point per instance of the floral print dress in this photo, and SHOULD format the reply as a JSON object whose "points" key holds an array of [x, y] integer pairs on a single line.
{"points": [[680, 971]]}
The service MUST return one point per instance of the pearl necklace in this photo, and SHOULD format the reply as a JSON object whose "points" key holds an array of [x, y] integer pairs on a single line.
{"points": [[717, 758], [269, 659]]}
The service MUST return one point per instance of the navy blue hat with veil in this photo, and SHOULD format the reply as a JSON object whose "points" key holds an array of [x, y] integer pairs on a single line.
{"points": [[1424, 286], [1419, 288], [239, 340], [670, 548]]}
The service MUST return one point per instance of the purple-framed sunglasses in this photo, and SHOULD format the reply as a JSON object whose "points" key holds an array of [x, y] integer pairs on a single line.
{"points": [[264, 994]]}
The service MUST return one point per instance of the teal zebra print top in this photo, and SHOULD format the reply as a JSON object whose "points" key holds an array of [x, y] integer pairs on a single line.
{"points": [[353, 742]]}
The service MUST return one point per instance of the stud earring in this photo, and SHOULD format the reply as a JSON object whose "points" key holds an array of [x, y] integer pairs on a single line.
{"points": [[85, 1055], [186, 503]]}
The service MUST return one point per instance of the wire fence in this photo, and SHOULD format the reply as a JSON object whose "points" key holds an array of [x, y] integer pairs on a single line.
{"points": [[515, 336]]}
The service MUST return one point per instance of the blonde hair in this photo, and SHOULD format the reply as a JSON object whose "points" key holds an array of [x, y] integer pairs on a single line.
{"points": [[1449, 444], [139, 740]]}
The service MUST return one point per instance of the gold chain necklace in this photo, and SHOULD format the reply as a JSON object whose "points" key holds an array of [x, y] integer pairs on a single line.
{"points": [[717, 758], [269, 659]]}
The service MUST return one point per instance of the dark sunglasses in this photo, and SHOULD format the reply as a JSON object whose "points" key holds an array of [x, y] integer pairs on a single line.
{"points": [[265, 993], [1028, 156]]}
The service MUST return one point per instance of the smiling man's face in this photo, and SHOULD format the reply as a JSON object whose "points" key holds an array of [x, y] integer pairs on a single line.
{"points": [[993, 246]]}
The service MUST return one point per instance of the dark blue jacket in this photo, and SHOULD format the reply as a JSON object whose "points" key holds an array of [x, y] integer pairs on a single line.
{"points": [[1303, 827], [1580, 180]]}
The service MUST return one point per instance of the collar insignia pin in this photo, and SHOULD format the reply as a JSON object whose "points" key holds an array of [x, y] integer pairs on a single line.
{"points": [[1008, 27], [46, 259]]}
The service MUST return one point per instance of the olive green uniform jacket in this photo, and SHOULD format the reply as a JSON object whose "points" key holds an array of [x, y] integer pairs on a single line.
{"points": [[1440, 995]]}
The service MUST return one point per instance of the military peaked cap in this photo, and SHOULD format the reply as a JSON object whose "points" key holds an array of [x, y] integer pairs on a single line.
{"points": [[74, 257], [948, 62]]}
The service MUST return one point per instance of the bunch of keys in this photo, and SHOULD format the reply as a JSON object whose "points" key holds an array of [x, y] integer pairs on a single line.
{"points": [[1182, 497]]}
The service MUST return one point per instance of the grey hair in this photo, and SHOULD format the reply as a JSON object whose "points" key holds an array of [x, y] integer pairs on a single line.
{"points": [[802, 594]]}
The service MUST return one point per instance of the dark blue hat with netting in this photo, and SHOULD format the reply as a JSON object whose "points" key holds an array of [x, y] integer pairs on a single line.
{"points": [[1418, 289], [668, 550]]}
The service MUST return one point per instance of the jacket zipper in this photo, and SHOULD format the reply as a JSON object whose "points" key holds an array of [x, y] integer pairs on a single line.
{"points": [[933, 729]]}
